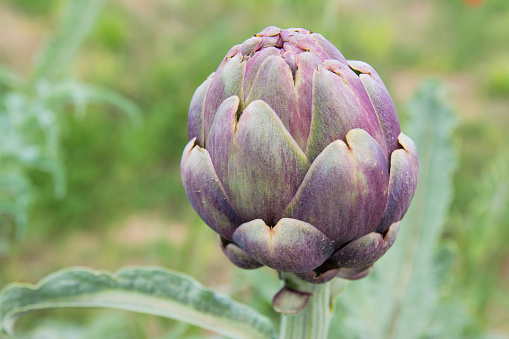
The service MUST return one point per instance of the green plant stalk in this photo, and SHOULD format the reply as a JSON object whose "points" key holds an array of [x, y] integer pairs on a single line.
{"points": [[314, 320]]}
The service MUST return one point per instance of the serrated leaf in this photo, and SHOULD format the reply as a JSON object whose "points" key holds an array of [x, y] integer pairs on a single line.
{"points": [[398, 299], [153, 291]]}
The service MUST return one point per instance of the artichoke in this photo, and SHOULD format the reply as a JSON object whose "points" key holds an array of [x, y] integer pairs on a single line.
{"points": [[296, 158]]}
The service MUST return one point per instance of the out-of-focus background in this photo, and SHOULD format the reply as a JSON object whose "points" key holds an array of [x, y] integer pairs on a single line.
{"points": [[97, 99]]}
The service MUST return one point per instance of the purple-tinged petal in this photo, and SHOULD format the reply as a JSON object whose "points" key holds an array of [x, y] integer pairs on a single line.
{"points": [[320, 275], [307, 43], [205, 192], [290, 246], [274, 84], [364, 68], [402, 182], [390, 236], [287, 34], [337, 110], [220, 141], [253, 65], [290, 48], [195, 120], [371, 122], [294, 30], [355, 273], [273, 41], [227, 81], [237, 256], [360, 252], [266, 166], [289, 54], [307, 64], [251, 45], [290, 301], [381, 101], [234, 50], [270, 31], [290, 59], [366, 250], [344, 193], [328, 47]]}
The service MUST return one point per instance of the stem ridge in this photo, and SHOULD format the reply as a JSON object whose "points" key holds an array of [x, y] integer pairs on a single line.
{"points": [[313, 321]]}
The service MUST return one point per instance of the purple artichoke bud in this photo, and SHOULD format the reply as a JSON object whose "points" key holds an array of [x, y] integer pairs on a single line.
{"points": [[296, 158]]}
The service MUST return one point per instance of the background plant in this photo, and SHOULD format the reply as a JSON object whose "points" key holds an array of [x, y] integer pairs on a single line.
{"points": [[32, 110]]}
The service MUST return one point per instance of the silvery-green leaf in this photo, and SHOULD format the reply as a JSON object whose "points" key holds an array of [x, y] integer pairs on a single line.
{"points": [[146, 290]]}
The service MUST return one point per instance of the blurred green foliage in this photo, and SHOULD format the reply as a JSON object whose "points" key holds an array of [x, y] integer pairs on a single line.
{"points": [[36, 8], [31, 115], [157, 52]]}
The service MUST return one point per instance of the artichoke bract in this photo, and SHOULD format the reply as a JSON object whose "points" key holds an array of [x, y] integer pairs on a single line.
{"points": [[296, 158]]}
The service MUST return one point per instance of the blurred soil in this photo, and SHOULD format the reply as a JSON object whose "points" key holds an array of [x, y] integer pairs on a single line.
{"points": [[20, 39]]}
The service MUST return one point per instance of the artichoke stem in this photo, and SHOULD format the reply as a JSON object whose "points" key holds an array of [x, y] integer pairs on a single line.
{"points": [[313, 321]]}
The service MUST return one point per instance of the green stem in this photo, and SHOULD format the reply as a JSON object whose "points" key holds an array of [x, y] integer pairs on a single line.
{"points": [[313, 321]]}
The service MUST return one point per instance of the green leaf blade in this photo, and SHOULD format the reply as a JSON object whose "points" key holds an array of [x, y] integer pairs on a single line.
{"points": [[153, 291]]}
